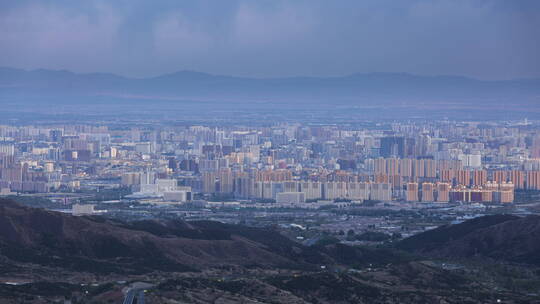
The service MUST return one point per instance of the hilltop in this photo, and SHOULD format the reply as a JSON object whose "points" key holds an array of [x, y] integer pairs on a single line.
{"points": [[497, 237], [87, 259]]}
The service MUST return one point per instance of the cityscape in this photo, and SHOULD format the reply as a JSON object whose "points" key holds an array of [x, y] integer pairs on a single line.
{"points": [[306, 152], [285, 164], [448, 171]]}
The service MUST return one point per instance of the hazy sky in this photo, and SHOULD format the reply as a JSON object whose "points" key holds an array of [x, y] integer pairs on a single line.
{"points": [[489, 39]]}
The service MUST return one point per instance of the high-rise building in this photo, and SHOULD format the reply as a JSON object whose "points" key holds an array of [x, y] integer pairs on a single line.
{"points": [[411, 195], [379, 166], [7, 149], [225, 180], [131, 178], [358, 191], [381, 178], [443, 192], [335, 190], [147, 178], [463, 177], [406, 167], [291, 186], [242, 185], [290, 198], [460, 194], [471, 160], [535, 147], [533, 180], [209, 182], [499, 176], [428, 192], [517, 178], [419, 168], [479, 177], [313, 190], [381, 191], [447, 175], [430, 168], [393, 147], [481, 195], [392, 166]]}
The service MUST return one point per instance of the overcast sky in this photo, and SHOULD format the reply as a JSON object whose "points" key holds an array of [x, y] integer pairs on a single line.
{"points": [[487, 39]]}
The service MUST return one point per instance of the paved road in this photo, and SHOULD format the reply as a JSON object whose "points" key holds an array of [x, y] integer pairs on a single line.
{"points": [[130, 296], [134, 296], [140, 298]]}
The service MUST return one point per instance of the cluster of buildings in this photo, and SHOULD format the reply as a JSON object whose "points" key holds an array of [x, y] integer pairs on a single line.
{"points": [[411, 161], [151, 187], [444, 192]]}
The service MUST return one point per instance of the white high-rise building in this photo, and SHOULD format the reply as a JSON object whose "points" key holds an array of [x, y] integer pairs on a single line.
{"points": [[290, 198], [7, 149]]}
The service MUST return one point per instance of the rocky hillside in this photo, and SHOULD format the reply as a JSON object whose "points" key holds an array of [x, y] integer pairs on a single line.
{"points": [[500, 237], [60, 257], [30, 235]]}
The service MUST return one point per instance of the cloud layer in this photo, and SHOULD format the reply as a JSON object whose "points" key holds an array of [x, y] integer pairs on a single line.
{"points": [[495, 39]]}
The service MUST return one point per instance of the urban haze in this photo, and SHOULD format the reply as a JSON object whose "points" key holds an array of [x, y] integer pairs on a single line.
{"points": [[308, 152]]}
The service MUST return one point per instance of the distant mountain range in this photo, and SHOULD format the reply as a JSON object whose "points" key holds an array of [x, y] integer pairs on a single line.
{"points": [[188, 85]]}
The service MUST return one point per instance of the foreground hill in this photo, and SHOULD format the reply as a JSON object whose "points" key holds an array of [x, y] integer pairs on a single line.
{"points": [[499, 237], [30, 235], [100, 245], [92, 259]]}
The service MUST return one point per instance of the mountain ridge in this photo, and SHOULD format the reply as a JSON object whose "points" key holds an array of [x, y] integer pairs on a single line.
{"points": [[195, 72], [498, 237], [356, 88], [33, 235], [58, 256]]}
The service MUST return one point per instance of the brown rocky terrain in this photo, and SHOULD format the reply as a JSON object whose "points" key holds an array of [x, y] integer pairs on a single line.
{"points": [[498, 237], [48, 257], [97, 245]]}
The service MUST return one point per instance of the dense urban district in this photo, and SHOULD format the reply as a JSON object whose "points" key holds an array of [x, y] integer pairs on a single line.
{"points": [[299, 192], [284, 166]]}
